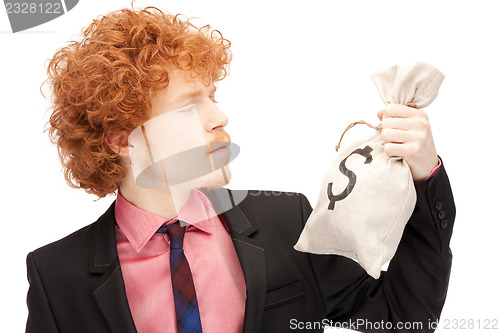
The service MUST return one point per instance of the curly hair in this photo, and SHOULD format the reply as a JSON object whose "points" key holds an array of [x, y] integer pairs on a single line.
{"points": [[104, 84]]}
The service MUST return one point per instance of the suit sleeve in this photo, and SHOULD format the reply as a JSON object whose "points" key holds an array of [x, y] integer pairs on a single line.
{"points": [[408, 297], [40, 317]]}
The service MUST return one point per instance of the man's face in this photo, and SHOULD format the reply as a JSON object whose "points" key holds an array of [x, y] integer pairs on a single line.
{"points": [[184, 141], [181, 93]]}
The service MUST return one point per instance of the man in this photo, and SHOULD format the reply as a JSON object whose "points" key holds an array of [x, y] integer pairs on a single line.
{"points": [[116, 96]]}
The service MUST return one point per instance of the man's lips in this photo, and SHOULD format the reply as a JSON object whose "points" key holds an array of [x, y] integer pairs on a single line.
{"points": [[217, 146]]}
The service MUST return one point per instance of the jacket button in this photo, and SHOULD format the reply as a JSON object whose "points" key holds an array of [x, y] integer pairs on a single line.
{"points": [[441, 214], [444, 224], [438, 205]]}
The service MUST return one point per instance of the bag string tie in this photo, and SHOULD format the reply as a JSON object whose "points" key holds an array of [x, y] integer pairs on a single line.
{"points": [[378, 128]]}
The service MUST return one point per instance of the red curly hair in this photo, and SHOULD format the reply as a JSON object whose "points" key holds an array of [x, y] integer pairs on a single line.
{"points": [[104, 84]]}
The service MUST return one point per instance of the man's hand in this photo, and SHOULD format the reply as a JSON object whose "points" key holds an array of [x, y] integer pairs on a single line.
{"points": [[407, 134]]}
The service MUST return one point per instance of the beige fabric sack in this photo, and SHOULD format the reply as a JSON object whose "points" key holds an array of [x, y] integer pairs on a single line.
{"points": [[366, 197]]}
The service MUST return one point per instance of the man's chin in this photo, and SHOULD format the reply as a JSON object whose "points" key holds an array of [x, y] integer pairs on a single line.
{"points": [[217, 179]]}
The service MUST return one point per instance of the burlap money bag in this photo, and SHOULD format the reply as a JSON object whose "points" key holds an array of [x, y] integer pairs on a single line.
{"points": [[366, 197]]}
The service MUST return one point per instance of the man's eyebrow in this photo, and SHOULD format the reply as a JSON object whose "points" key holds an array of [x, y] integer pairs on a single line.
{"points": [[193, 93]]}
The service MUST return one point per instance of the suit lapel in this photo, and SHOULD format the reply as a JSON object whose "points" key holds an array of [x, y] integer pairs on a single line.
{"points": [[251, 254], [109, 289]]}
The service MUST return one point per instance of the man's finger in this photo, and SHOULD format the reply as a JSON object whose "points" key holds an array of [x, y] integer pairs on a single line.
{"points": [[403, 124], [400, 111], [395, 149], [390, 135]]}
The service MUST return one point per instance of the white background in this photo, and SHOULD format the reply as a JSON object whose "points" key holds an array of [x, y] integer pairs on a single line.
{"points": [[300, 75]]}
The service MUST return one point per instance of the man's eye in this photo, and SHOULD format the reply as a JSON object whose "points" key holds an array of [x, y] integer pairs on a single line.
{"points": [[187, 108]]}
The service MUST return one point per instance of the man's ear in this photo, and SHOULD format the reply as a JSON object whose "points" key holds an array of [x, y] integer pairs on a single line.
{"points": [[118, 143]]}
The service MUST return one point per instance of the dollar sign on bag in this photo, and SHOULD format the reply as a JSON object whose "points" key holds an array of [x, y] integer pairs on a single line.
{"points": [[365, 152]]}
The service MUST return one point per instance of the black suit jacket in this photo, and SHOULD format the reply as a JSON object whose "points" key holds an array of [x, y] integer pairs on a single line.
{"points": [[76, 283]]}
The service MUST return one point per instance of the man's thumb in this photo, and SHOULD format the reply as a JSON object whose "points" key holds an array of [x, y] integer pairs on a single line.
{"points": [[380, 114]]}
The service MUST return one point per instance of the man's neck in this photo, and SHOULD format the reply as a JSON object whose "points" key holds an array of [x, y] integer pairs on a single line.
{"points": [[163, 203]]}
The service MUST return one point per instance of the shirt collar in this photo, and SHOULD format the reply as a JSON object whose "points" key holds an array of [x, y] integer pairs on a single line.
{"points": [[139, 225]]}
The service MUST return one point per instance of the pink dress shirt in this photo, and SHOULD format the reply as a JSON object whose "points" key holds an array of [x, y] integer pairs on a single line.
{"points": [[144, 259]]}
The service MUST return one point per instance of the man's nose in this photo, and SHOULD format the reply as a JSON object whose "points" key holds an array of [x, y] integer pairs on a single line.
{"points": [[216, 120]]}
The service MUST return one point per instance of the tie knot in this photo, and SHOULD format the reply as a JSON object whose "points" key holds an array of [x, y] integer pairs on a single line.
{"points": [[176, 234]]}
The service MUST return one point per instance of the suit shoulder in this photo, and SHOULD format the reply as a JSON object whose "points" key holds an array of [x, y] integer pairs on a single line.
{"points": [[74, 242], [275, 205], [280, 198], [271, 196], [66, 242]]}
